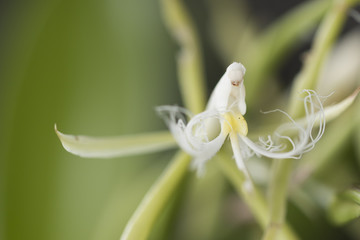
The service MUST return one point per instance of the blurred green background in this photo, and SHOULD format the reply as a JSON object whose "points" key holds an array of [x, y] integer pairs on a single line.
{"points": [[99, 68], [95, 68]]}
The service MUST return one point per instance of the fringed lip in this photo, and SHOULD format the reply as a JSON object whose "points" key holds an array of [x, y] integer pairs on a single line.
{"points": [[193, 137]]}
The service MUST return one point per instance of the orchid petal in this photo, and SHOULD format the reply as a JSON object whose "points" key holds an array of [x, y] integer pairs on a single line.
{"points": [[108, 147], [194, 137], [333, 111], [230, 90], [200, 140], [305, 140]]}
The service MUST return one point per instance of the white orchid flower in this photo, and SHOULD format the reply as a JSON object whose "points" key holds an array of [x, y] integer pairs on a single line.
{"points": [[203, 135], [225, 111]]}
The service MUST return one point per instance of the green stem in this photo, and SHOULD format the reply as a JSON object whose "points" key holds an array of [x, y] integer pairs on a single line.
{"points": [[254, 199], [190, 65], [281, 170], [143, 219]]}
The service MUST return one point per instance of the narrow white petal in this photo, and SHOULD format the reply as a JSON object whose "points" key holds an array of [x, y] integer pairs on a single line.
{"points": [[108, 147], [334, 111], [241, 102], [240, 161]]}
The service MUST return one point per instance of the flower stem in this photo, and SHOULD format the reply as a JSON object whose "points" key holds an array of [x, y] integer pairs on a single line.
{"points": [[253, 199], [190, 65], [281, 170], [243, 182], [143, 219]]}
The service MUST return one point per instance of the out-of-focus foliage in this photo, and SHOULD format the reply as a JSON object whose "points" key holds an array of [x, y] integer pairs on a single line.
{"points": [[94, 67], [100, 68]]}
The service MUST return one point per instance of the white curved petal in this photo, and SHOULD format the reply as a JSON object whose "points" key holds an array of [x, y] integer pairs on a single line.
{"points": [[175, 118], [220, 96], [108, 147], [194, 137], [196, 132], [301, 138]]}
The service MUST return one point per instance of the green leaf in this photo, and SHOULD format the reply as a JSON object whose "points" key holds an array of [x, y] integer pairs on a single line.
{"points": [[190, 63], [141, 223]]}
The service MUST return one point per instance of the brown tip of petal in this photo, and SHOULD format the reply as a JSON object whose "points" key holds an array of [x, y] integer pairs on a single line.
{"points": [[356, 92]]}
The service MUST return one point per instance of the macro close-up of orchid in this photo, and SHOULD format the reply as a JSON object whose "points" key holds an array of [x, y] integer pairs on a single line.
{"points": [[207, 120]]}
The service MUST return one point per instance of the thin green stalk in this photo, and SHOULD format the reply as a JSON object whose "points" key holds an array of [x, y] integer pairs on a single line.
{"points": [[190, 65], [204, 195], [281, 171], [254, 199], [143, 219]]}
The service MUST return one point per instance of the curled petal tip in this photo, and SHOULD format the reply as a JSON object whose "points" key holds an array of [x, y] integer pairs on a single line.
{"points": [[333, 111], [56, 130]]}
